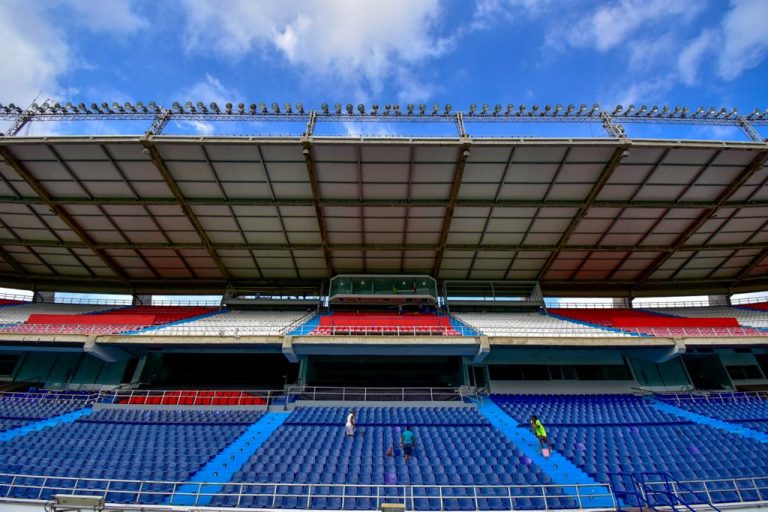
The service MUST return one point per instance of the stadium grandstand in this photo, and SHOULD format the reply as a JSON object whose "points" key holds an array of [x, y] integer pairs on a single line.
{"points": [[198, 315]]}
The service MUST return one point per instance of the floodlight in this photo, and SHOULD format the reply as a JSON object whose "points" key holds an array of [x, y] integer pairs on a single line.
{"points": [[521, 109], [140, 106], [435, 109], [263, 108], [288, 109], [654, 110], [104, 105], [228, 108], [497, 109], [595, 108], [215, 107], [510, 108], [153, 105], [189, 106], [81, 106], [558, 108], [361, 108], [396, 108], [350, 109], [337, 108], [375, 108], [324, 107], [685, 111], [201, 106], [535, 108], [582, 108], [485, 108], [275, 108], [387, 107], [300, 108], [252, 108], [643, 109], [422, 109], [93, 106], [68, 105], [678, 109], [473, 109], [617, 110], [665, 110], [448, 108], [241, 108], [547, 108], [570, 110], [410, 109]]}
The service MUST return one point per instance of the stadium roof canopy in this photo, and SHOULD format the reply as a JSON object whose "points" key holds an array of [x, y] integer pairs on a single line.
{"points": [[589, 216]]}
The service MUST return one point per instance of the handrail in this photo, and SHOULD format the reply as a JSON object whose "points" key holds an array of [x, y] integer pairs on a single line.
{"points": [[415, 497]]}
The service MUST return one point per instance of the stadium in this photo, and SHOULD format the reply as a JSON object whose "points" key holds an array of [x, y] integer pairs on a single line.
{"points": [[452, 281]]}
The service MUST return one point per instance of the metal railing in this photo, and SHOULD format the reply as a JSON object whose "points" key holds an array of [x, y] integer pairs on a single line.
{"points": [[383, 330], [722, 397], [659, 304], [246, 397], [710, 491], [308, 496]]}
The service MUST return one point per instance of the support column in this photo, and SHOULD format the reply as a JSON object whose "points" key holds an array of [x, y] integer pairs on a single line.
{"points": [[142, 300], [622, 302], [719, 300], [43, 296]]}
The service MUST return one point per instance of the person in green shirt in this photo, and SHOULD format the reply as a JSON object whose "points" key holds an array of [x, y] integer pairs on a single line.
{"points": [[540, 432], [407, 443]]}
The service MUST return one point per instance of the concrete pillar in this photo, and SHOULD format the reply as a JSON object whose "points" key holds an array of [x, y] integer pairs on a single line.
{"points": [[142, 300], [622, 302], [719, 300], [40, 296]]}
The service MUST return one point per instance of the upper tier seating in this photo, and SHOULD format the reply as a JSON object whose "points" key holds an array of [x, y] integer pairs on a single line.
{"points": [[371, 322], [124, 444], [234, 323], [651, 324], [312, 448], [66, 319], [20, 313], [762, 306], [746, 316], [611, 434], [530, 324]]}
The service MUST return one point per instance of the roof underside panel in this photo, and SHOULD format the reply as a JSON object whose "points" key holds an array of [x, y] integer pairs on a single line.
{"points": [[103, 212]]}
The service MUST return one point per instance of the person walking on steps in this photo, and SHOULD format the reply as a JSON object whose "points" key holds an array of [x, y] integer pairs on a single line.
{"points": [[349, 427], [541, 433], [407, 443]]}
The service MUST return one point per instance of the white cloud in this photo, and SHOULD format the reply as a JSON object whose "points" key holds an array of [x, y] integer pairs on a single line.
{"points": [[114, 17], [37, 50], [35, 53], [208, 90], [690, 58], [613, 23], [360, 44], [745, 37]]}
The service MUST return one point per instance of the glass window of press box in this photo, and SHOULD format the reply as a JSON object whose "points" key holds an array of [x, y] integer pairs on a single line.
{"points": [[383, 285]]}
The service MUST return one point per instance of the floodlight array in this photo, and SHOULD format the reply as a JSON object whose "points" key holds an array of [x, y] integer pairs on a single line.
{"points": [[411, 112]]}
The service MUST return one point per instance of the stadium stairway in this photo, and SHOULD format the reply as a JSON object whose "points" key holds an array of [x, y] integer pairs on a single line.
{"points": [[36, 426], [732, 428], [561, 470], [221, 468]]}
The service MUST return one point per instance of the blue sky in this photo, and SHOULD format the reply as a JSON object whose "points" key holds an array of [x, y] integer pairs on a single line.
{"points": [[688, 52]]}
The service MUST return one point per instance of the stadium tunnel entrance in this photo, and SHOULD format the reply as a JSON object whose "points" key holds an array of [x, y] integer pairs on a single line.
{"points": [[214, 370], [384, 371]]}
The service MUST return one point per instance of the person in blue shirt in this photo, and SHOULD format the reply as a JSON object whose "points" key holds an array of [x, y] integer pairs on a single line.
{"points": [[407, 443]]}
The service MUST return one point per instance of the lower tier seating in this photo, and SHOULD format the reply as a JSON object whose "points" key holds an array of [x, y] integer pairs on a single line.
{"points": [[614, 435], [126, 445]]}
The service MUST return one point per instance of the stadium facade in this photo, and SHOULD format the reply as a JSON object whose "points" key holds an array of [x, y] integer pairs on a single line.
{"points": [[397, 268]]}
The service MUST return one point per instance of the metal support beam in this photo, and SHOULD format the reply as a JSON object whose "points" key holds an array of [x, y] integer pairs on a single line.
{"points": [[751, 266], [372, 246], [754, 166], [500, 203], [458, 176], [170, 181], [748, 129], [312, 174], [159, 123], [605, 175], [60, 211]]}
